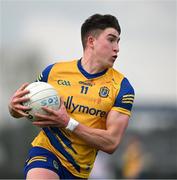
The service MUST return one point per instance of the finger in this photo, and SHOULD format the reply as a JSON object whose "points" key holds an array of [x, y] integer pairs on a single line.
{"points": [[23, 86], [41, 116], [43, 123], [21, 93], [48, 110], [22, 90], [62, 103], [61, 100], [22, 113], [23, 108], [21, 100]]}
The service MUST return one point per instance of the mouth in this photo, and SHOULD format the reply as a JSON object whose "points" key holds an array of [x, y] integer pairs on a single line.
{"points": [[114, 57]]}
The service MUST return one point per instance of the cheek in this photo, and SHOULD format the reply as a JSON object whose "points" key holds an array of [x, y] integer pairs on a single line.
{"points": [[105, 51], [104, 48]]}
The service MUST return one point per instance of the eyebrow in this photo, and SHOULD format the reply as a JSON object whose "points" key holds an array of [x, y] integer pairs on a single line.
{"points": [[114, 36]]}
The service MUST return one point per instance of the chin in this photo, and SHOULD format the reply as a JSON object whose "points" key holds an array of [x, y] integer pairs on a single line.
{"points": [[108, 66], [111, 63]]}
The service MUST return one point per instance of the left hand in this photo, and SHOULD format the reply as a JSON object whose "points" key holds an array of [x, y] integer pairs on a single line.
{"points": [[56, 118]]}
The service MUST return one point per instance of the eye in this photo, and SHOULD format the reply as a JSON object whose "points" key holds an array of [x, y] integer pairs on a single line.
{"points": [[111, 40]]}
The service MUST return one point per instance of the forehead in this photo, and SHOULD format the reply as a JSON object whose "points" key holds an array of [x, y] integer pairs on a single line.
{"points": [[110, 31]]}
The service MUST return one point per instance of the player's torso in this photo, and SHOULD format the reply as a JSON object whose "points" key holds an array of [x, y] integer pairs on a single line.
{"points": [[88, 100]]}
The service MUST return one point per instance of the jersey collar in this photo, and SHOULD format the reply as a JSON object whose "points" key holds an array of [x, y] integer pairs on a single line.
{"points": [[88, 75]]}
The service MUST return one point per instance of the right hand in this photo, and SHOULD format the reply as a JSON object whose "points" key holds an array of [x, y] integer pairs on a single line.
{"points": [[16, 108], [54, 118]]}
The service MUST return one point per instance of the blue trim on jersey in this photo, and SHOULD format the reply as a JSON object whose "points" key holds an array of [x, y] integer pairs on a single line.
{"points": [[45, 73], [65, 140], [39, 151], [126, 95], [56, 144], [51, 162], [86, 74]]}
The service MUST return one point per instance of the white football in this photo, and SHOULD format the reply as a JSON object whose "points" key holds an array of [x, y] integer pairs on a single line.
{"points": [[41, 94]]}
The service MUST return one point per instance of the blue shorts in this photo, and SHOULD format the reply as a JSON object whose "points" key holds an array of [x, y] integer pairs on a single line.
{"points": [[42, 158]]}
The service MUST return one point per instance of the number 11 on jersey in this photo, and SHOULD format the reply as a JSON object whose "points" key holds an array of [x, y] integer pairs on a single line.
{"points": [[84, 89]]}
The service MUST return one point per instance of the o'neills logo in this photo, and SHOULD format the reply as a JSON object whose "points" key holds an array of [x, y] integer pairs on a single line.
{"points": [[72, 107]]}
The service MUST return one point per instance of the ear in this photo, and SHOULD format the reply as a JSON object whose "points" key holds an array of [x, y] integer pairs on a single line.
{"points": [[90, 41]]}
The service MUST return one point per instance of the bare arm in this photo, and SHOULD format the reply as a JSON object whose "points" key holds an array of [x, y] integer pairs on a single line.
{"points": [[105, 140]]}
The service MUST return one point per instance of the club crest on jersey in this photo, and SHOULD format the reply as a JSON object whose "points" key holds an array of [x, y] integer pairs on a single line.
{"points": [[104, 92]]}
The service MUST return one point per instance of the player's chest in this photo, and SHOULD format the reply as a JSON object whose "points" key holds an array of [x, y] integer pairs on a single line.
{"points": [[93, 93]]}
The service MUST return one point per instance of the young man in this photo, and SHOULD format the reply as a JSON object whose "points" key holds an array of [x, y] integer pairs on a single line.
{"points": [[96, 105]]}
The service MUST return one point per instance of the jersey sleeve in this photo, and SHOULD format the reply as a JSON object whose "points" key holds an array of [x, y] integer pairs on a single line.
{"points": [[45, 73], [125, 98]]}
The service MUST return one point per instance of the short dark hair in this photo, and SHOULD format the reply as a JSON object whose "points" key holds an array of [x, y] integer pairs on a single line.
{"points": [[98, 22]]}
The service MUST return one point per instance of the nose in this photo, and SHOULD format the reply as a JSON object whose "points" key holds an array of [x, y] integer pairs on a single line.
{"points": [[116, 48]]}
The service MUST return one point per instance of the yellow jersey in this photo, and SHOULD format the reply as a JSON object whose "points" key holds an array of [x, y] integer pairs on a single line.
{"points": [[88, 98]]}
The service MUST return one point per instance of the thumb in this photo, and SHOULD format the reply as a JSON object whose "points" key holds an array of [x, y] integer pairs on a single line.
{"points": [[61, 101]]}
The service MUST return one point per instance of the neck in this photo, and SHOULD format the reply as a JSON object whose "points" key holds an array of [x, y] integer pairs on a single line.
{"points": [[91, 64]]}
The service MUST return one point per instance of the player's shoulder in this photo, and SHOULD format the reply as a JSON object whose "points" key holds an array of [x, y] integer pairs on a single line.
{"points": [[64, 63], [121, 80], [125, 94], [117, 75], [55, 67], [61, 63]]}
